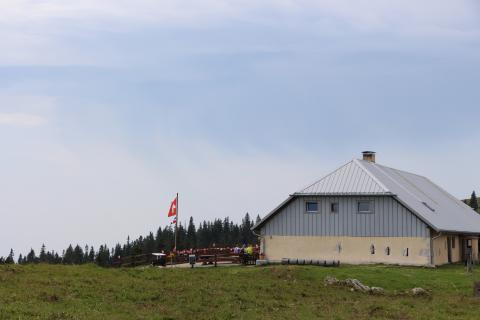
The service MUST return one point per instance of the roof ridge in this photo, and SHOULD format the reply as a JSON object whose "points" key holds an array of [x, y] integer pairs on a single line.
{"points": [[404, 171], [381, 168], [371, 175], [325, 176]]}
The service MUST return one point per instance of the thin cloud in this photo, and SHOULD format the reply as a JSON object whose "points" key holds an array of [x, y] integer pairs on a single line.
{"points": [[22, 119]]}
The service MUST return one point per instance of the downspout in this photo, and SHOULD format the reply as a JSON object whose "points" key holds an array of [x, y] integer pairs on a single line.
{"points": [[431, 247]]}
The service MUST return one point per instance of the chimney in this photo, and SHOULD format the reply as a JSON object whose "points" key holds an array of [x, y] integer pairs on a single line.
{"points": [[369, 156]]}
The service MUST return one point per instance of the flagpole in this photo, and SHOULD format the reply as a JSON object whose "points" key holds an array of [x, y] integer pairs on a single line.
{"points": [[176, 230]]}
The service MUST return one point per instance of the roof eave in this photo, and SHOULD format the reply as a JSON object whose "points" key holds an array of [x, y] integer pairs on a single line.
{"points": [[457, 231], [271, 213], [342, 194]]}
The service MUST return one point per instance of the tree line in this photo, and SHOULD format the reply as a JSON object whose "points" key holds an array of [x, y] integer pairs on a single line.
{"points": [[472, 202], [216, 233]]}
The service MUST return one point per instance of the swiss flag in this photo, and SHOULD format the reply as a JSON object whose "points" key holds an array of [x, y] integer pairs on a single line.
{"points": [[173, 208]]}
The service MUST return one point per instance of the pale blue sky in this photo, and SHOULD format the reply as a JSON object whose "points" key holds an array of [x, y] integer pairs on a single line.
{"points": [[107, 110]]}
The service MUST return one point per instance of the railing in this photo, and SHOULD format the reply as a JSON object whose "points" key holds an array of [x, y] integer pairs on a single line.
{"points": [[203, 256]]}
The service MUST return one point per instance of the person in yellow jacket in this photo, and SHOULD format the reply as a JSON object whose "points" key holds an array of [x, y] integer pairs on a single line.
{"points": [[249, 250]]}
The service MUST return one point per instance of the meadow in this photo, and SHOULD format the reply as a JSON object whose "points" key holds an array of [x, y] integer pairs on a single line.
{"points": [[272, 292]]}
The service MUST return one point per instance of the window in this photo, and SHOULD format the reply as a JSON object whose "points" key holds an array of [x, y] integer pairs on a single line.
{"points": [[453, 242], [312, 206], [387, 251], [364, 206], [334, 207], [406, 252], [372, 249]]}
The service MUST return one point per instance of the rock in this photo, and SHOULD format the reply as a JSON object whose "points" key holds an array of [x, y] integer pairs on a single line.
{"points": [[356, 285], [330, 281], [377, 290], [418, 292], [353, 284]]}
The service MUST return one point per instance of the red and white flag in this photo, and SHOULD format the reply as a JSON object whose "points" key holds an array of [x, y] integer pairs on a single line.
{"points": [[173, 209]]}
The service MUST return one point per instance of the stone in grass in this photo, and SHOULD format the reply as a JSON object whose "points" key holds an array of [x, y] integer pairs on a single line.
{"points": [[354, 285], [330, 281], [419, 292], [377, 290]]}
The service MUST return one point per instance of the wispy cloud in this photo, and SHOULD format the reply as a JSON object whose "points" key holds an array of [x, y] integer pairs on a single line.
{"points": [[31, 30], [22, 119]]}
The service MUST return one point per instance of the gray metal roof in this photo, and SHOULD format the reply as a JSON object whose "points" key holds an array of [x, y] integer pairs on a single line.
{"points": [[351, 178], [432, 204]]}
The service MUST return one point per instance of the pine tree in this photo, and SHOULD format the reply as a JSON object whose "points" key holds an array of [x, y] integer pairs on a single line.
{"points": [[91, 255], [77, 255], [149, 244], [103, 256], [181, 237], [43, 255], [245, 230], [68, 256], [20, 259], [10, 258], [191, 235], [474, 201], [31, 258]]}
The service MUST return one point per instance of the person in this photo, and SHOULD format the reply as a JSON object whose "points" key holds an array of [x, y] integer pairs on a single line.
{"points": [[249, 250]]}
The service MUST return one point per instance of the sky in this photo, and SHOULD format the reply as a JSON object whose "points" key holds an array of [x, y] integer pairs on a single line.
{"points": [[109, 108]]}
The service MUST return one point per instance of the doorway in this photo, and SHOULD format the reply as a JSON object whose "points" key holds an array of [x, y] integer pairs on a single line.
{"points": [[449, 248]]}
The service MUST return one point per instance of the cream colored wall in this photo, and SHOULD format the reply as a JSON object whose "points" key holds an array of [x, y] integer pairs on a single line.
{"points": [[354, 250], [440, 250], [475, 249]]}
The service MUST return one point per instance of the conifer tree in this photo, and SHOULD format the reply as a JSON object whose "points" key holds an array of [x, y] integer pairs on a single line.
{"points": [[117, 253], [191, 235], [149, 244], [68, 256], [91, 255], [31, 258], [77, 255], [43, 255], [474, 201], [10, 258]]}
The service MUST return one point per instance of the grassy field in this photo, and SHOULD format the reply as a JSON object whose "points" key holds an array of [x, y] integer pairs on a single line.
{"points": [[273, 292]]}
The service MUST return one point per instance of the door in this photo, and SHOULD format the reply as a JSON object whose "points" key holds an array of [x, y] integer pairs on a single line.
{"points": [[449, 248]]}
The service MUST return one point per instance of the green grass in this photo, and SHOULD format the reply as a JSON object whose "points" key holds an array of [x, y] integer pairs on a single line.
{"points": [[273, 292]]}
